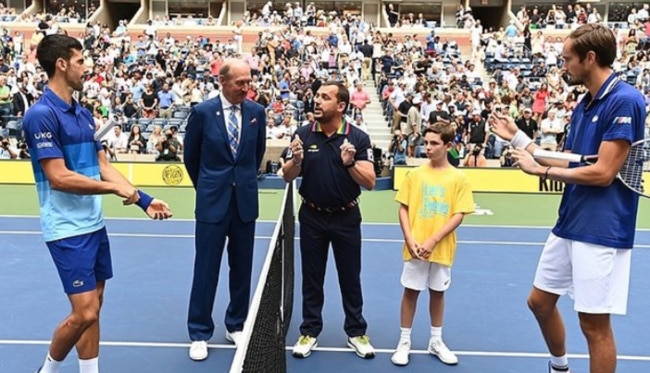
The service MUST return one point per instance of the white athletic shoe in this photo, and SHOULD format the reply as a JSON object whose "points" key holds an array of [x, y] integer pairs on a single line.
{"points": [[199, 350], [401, 355], [554, 369], [234, 337], [361, 345], [303, 347], [439, 349]]}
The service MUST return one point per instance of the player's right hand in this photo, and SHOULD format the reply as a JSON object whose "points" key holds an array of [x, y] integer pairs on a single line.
{"points": [[502, 125], [129, 193]]}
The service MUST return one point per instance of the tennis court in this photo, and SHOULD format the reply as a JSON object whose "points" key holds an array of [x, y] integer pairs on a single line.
{"points": [[143, 321]]}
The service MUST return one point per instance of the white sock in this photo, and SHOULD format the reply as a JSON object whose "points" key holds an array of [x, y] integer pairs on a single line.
{"points": [[436, 333], [560, 361], [50, 365], [89, 365], [405, 335]]}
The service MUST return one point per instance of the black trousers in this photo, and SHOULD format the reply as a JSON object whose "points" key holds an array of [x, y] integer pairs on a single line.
{"points": [[343, 230]]}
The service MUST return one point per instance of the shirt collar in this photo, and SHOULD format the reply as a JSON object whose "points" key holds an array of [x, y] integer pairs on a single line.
{"points": [[344, 129], [225, 104], [605, 89], [58, 102]]}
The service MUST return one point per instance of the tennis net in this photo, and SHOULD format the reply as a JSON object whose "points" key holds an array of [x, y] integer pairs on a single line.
{"points": [[262, 347]]}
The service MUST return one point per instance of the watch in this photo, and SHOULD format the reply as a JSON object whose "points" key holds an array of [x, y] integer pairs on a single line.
{"points": [[351, 164]]}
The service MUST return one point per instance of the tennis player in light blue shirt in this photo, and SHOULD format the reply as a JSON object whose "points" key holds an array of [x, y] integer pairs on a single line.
{"points": [[71, 171]]}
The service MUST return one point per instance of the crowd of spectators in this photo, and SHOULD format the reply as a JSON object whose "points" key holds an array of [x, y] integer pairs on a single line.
{"points": [[523, 78], [146, 85]]}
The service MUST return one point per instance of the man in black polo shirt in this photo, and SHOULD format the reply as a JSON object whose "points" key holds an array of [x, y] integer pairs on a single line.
{"points": [[336, 160], [527, 124]]}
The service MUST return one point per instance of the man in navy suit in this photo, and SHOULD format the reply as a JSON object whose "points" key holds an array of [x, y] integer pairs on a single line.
{"points": [[225, 141]]}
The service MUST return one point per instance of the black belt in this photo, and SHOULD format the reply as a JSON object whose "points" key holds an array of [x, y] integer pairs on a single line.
{"points": [[330, 210], [164, 108]]}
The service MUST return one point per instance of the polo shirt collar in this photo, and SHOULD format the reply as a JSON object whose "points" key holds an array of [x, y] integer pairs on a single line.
{"points": [[57, 101], [344, 129], [605, 89]]}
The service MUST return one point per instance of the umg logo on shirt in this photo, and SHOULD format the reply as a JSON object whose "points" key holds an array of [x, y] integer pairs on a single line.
{"points": [[42, 135], [41, 138]]}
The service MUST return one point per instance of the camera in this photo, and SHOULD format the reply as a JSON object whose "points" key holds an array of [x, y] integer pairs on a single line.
{"points": [[476, 151], [169, 136], [5, 144]]}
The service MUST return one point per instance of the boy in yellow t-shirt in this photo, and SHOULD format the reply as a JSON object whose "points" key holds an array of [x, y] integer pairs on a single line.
{"points": [[434, 198]]}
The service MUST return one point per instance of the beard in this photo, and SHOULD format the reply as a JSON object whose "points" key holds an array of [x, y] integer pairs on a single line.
{"points": [[572, 80], [76, 84]]}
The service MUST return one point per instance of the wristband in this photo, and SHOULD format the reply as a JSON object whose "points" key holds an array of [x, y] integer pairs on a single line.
{"points": [[145, 200], [520, 140], [546, 173]]}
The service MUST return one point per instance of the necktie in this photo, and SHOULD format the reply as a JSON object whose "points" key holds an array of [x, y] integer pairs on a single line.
{"points": [[233, 130]]}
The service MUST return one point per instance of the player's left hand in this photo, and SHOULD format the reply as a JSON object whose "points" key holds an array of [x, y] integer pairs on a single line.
{"points": [[525, 161], [159, 210], [347, 152]]}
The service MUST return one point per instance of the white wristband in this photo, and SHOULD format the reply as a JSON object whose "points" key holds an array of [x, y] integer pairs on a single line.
{"points": [[520, 140]]}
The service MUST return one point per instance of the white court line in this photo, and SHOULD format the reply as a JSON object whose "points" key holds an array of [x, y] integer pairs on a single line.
{"points": [[21, 342], [386, 240], [364, 223]]}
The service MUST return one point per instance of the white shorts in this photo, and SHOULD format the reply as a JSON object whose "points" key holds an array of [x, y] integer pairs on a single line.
{"points": [[419, 275], [596, 277]]}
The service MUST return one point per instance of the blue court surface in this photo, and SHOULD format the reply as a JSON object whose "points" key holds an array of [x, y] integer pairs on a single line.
{"points": [[487, 322]]}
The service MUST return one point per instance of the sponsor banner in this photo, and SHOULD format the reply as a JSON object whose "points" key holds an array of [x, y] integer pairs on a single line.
{"points": [[499, 180], [140, 174]]}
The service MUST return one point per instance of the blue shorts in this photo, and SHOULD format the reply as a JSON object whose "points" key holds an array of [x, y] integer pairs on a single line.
{"points": [[82, 261]]}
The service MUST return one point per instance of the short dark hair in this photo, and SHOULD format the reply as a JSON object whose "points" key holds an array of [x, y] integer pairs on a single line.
{"points": [[53, 47], [343, 95], [597, 38], [446, 130]]}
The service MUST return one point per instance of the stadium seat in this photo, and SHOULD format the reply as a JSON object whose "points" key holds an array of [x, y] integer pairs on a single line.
{"points": [[15, 128], [175, 122], [180, 113], [142, 122]]}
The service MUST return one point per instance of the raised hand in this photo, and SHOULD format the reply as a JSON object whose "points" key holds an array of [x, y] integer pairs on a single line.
{"points": [[347, 152], [296, 150], [525, 161], [502, 125]]}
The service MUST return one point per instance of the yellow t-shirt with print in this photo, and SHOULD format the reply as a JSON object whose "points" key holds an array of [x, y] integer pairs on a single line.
{"points": [[433, 196]]}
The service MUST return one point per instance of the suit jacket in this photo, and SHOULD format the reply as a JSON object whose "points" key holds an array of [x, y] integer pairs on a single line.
{"points": [[19, 104], [210, 163]]}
